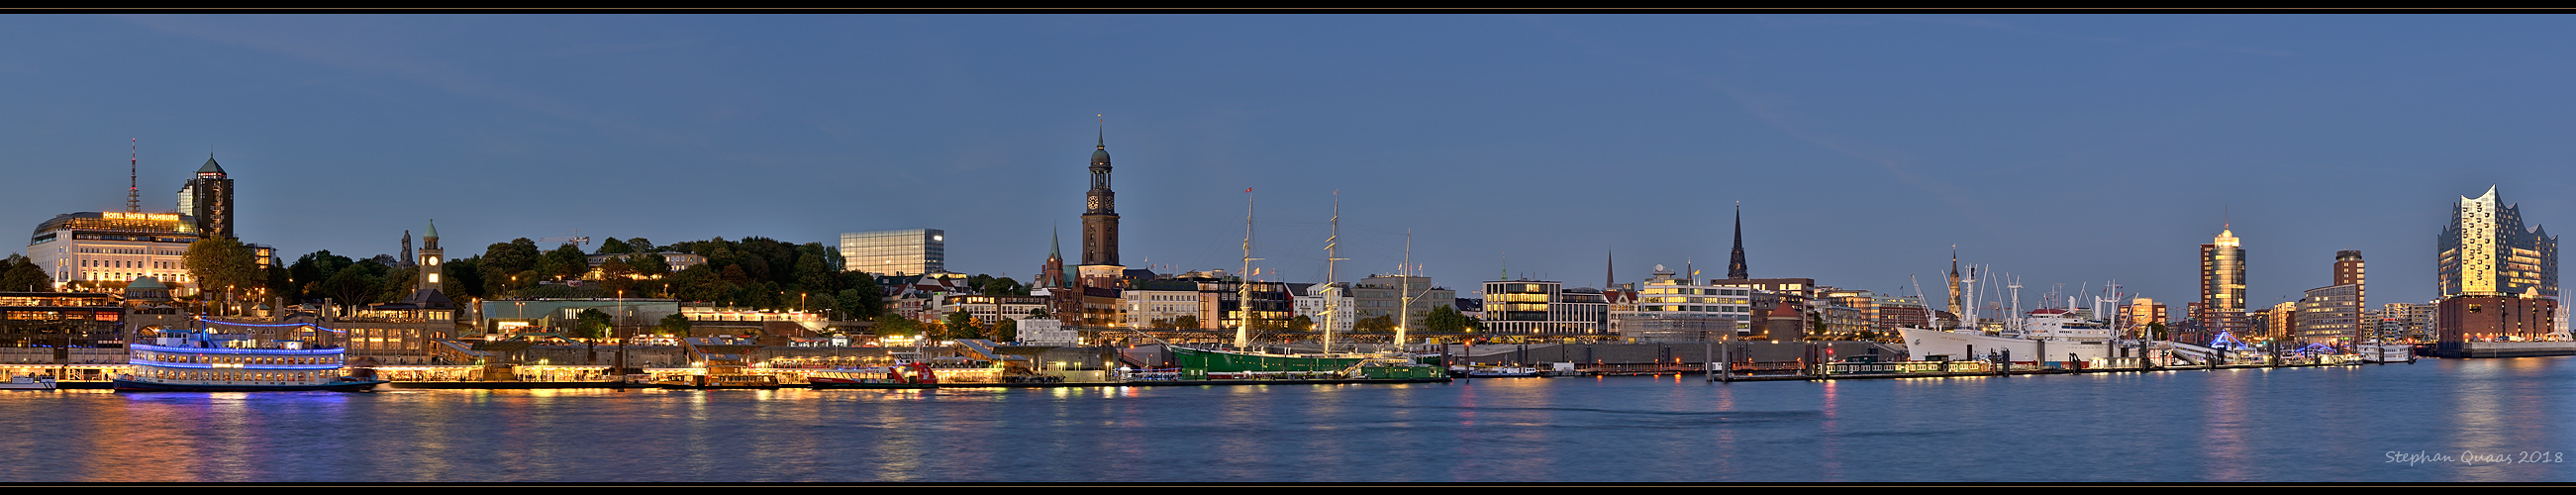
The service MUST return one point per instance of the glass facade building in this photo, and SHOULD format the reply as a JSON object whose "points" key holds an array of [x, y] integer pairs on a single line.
{"points": [[895, 252]]}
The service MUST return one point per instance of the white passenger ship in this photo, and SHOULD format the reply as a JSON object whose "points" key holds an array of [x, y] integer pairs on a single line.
{"points": [[191, 360]]}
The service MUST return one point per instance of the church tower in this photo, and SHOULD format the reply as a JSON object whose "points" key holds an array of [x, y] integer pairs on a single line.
{"points": [[1735, 269], [1100, 266]]}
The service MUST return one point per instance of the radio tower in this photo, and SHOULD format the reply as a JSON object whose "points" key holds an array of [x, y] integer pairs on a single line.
{"points": [[133, 195]]}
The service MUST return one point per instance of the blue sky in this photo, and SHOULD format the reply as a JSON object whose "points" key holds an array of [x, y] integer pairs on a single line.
{"points": [[2063, 149]]}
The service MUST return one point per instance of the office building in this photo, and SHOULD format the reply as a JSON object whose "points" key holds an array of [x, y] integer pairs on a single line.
{"points": [[2330, 315], [207, 199], [2222, 287], [895, 252], [1524, 309]]}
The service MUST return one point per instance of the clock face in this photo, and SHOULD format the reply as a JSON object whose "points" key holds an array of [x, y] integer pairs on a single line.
{"points": [[1094, 203]]}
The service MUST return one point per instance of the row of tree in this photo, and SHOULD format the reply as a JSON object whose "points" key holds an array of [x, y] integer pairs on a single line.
{"points": [[753, 273]]}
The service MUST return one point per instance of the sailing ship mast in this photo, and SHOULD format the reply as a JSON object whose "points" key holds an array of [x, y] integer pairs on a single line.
{"points": [[1404, 287], [1243, 284], [1332, 244]]}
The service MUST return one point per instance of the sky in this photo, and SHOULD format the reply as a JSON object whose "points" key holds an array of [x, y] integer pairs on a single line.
{"points": [[2073, 150]]}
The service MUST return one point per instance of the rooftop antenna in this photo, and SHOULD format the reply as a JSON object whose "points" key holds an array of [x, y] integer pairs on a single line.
{"points": [[133, 161]]}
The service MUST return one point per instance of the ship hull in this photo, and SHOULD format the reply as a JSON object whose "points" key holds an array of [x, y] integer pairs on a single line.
{"points": [[123, 385]]}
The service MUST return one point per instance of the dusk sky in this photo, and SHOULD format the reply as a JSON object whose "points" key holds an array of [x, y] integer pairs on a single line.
{"points": [[2063, 149]]}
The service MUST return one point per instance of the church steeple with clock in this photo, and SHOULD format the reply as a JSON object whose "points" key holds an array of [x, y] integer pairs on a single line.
{"points": [[1100, 224]]}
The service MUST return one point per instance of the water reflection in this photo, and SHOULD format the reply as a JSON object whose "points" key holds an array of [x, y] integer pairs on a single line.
{"points": [[2294, 425]]}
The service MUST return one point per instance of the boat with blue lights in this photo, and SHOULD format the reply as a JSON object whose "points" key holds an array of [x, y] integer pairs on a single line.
{"points": [[205, 360]]}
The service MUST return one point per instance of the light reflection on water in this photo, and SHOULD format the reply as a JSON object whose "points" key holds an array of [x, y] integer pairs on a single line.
{"points": [[2310, 424]]}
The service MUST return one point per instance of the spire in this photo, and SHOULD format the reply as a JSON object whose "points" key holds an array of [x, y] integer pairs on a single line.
{"points": [[1735, 269], [1610, 269]]}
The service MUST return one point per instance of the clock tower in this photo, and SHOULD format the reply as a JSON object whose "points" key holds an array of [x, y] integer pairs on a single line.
{"points": [[1100, 266]]}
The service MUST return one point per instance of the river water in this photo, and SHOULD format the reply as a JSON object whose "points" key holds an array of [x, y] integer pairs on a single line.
{"points": [[2493, 420]]}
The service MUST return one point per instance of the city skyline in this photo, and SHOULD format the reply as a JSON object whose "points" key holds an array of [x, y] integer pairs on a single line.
{"points": [[1845, 178]]}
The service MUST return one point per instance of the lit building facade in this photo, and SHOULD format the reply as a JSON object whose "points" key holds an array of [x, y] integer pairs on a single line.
{"points": [[2499, 281], [894, 252], [2348, 270], [1517, 309], [102, 250], [1674, 309], [2136, 316], [2222, 286], [2486, 251], [2403, 322], [2330, 315]]}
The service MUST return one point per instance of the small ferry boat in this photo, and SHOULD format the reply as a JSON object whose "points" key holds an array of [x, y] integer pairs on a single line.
{"points": [[24, 382], [1496, 372], [201, 360], [913, 375]]}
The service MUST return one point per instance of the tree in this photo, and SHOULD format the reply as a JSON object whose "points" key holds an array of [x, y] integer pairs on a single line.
{"points": [[963, 326], [564, 263], [640, 245], [18, 274], [617, 274], [351, 286], [1375, 324], [462, 279], [700, 284], [1301, 323], [1007, 330], [1185, 321], [892, 325], [614, 246], [221, 265], [503, 261], [674, 325], [649, 265], [590, 325], [397, 284], [1445, 319]]}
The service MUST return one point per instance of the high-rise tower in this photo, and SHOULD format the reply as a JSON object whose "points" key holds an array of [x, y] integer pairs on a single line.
{"points": [[1735, 262], [2348, 270], [2222, 285], [209, 198], [1100, 266], [2486, 251]]}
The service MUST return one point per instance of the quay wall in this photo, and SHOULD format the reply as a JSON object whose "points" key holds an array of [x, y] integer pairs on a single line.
{"points": [[2459, 350]]}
